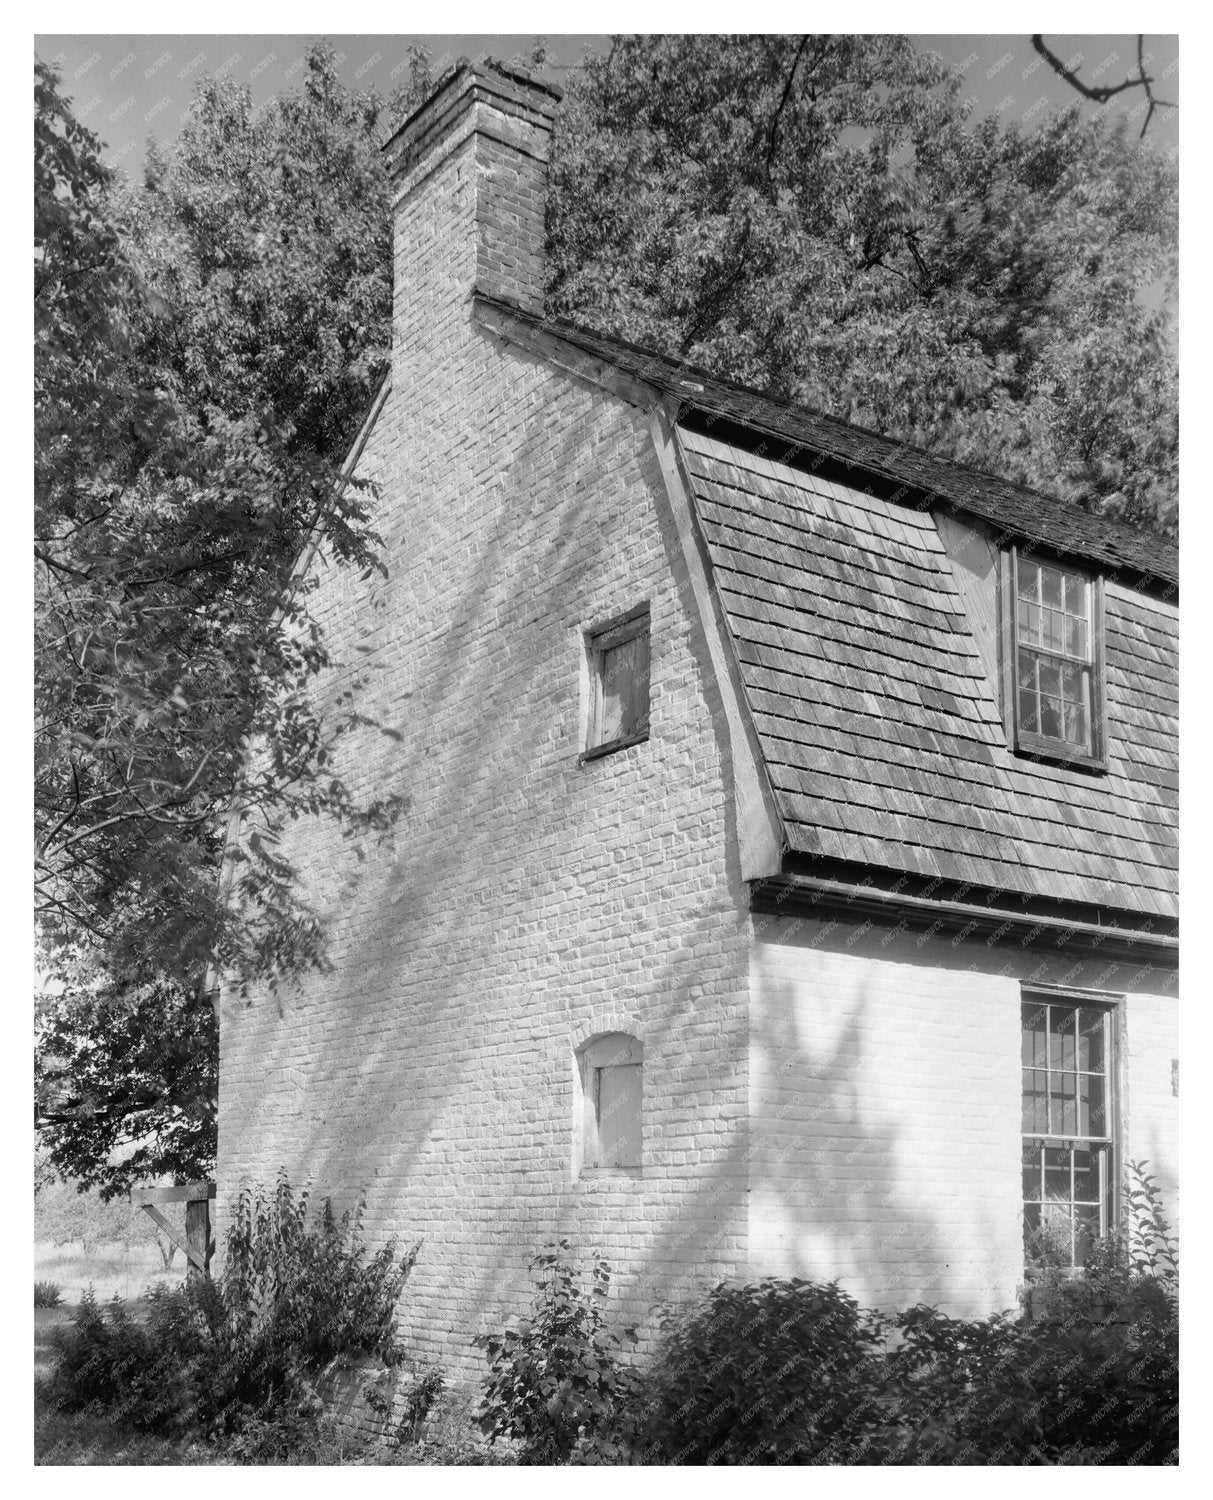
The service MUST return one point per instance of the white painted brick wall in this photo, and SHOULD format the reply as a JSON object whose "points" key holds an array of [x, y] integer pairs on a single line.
{"points": [[525, 901], [885, 1106]]}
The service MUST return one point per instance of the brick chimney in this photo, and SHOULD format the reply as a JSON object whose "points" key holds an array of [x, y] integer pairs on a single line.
{"points": [[469, 169]]}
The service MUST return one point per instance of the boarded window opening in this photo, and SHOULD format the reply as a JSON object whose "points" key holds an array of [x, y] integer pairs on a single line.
{"points": [[612, 1068], [618, 654]]}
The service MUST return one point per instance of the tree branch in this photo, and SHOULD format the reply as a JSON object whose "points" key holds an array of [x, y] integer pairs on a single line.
{"points": [[1102, 92], [787, 90]]}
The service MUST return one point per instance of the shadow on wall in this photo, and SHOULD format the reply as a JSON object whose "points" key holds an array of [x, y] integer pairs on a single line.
{"points": [[857, 1174], [400, 1073]]}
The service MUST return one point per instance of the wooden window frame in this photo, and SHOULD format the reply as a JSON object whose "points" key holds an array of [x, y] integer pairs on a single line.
{"points": [[613, 1049], [1112, 1007], [1029, 742], [616, 631]]}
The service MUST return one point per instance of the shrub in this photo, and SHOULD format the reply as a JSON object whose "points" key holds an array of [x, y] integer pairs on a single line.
{"points": [[765, 1373], [110, 1360], [951, 1391], [556, 1379], [243, 1352], [420, 1400], [1103, 1345], [47, 1293], [294, 1298]]}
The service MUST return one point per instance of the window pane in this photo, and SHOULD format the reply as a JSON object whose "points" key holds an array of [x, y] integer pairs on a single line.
{"points": [[1057, 1174], [1035, 1102], [1031, 1172], [1092, 1024], [1092, 1114], [1034, 1019], [1076, 594], [1062, 1020], [1076, 638], [1074, 682], [1087, 1229], [1063, 1104], [619, 1116], [1029, 579], [1050, 698], [1050, 587], [1087, 1185], [1076, 725], [1054, 630]]}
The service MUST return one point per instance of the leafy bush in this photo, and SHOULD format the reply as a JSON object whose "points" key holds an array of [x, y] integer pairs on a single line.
{"points": [[420, 1400], [293, 1299], [763, 1373], [47, 1293], [556, 1379], [788, 1371], [1151, 1246], [243, 1352], [1103, 1345], [111, 1360]]}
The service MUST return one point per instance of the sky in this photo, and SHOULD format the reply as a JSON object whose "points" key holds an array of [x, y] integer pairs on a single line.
{"points": [[127, 87]]}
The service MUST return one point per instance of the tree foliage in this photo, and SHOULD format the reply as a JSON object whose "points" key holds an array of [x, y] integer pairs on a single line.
{"points": [[816, 217], [205, 348]]}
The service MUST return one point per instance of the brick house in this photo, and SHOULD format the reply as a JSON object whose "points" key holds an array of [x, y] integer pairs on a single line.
{"points": [[788, 883]]}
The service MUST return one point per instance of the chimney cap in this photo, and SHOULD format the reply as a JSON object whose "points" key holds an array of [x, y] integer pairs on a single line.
{"points": [[507, 85]]}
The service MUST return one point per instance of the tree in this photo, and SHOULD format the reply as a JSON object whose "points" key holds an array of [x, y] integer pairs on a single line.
{"points": [[205, 348], [817, 218]]}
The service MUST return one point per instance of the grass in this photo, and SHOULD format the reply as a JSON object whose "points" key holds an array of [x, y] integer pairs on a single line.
{"points": [[112, 1270]]}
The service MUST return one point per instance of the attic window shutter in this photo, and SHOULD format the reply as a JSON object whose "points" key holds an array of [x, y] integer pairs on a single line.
{"points": [[618, 657]]}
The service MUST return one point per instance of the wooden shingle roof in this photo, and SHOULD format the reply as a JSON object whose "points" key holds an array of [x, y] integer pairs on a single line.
{"points": [[880, 728]]}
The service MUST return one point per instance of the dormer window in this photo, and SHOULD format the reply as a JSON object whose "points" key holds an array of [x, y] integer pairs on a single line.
{"points": [[1055, 639]]}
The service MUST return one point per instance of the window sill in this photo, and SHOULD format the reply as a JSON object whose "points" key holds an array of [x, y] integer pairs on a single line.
{"points": [[604, 1176], [1058, 753], [596, 752]]}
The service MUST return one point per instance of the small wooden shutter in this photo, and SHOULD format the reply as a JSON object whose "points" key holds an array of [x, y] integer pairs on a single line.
{"points": [[613, 1077], [619, 1116]]}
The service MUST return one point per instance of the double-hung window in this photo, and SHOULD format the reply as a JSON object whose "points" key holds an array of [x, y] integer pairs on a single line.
{"points": [[1068, 1050], [1054, 639]]}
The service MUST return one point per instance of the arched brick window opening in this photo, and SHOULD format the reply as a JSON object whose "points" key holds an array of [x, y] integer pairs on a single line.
{"points": [[612, 1068]]}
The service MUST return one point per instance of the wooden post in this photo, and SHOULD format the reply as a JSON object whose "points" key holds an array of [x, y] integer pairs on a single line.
{"points": [[196, 1196], [198, 1236]]}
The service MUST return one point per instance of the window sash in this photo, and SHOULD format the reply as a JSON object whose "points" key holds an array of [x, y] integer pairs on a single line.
{"points": [[1053, 661], [1068, 1158]]}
